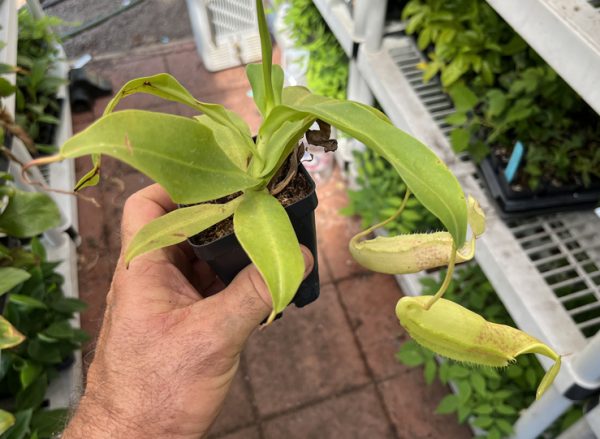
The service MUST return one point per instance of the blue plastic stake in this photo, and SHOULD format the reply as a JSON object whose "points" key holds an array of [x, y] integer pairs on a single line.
{"points": [[514, 162]]}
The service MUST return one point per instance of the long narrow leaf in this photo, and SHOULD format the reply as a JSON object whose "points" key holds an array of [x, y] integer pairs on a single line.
{"points": [[424, 173], [177, 226], [267, 55], [264, 230], [165, 86], [277, 136], [254, 72], [177, 152]]}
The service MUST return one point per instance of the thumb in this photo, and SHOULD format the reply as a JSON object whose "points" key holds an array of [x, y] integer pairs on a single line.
{"points": [[246, 302]]}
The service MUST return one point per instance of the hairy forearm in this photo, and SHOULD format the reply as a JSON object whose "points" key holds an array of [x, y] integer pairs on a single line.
{"points": [[95, 421]]}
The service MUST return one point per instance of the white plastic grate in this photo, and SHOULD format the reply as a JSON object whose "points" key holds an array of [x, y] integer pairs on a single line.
{"points": [[437, 103], [230, 17], [566, 251]]}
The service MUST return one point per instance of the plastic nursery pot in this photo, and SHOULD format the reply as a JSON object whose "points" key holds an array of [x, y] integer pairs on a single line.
{"points": [[227, 257], [516, 204]]}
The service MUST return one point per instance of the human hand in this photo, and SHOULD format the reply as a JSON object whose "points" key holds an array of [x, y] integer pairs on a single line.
{"points": [[166, 355]]}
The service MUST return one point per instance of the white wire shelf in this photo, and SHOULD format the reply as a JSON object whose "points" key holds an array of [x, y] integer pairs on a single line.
{"points": [[339, 19], [566, 33], [65, 390], [544, 270]]}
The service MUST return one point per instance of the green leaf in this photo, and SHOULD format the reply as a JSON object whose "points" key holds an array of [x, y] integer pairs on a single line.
{"points": [[165, 86], [494, 433], [28, 372], [7, 420], [177, 226], [228, 141], [10, 277], [6, 68], [33, 395], [68, 305], [483, 421], [496, 102], [457, 371], [255, 76], [6, 88], [44, 352], [447, 405], [453, 71], [277, 137], [424, 173], [459, 138], [504, 409], [9, 336], [462, 97], [409, 357], [484, 409], [505, 426], [464, 391], [457, 118], [26, 301], [267, 56], [29, 214], [178, 153], [21, 425], [478, 383], [48, 423], [430, 370], [264, 230], [38, 249], [463, 413], [59, 330]]}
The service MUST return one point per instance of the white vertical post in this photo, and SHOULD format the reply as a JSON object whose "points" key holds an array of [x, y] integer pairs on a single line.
{"points": [[541, 414]]}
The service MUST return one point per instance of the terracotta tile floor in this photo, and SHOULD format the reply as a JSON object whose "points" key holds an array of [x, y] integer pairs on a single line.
{"points": [[324, 371]]}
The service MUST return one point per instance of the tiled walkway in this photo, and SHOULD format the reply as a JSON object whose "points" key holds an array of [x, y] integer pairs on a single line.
{"points": [[324, 371]]}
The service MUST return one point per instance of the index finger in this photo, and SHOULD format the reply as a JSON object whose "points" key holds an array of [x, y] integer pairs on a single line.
{"points": [[142, 207]]}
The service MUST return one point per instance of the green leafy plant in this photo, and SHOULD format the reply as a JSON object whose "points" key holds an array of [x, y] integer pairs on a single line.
{"points": [[489, 400], [37, 107], [536, 107], [213, 156], [463, 38], [40, 311], [327, 65], [512, 94], [211, 164], [380, 195], [36, 335]]}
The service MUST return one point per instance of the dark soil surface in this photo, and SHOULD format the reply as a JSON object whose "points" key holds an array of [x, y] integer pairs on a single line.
{"points": [[297, 190]]}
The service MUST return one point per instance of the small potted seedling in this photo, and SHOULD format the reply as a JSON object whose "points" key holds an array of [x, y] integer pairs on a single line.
{"points": [[211, 166]]}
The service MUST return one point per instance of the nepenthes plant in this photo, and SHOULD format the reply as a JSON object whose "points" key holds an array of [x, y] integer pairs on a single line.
{"points": [[213, 156]]}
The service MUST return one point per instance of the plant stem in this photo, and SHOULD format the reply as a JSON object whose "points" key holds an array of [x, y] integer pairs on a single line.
{"points": [[384, 222], [447, 279]]}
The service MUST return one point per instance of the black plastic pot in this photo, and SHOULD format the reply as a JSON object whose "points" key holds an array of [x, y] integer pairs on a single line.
{"points": [[227, 258], [522, 203]]}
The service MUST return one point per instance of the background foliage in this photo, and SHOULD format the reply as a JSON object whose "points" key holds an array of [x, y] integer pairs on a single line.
{"points": [[504, 93]]}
